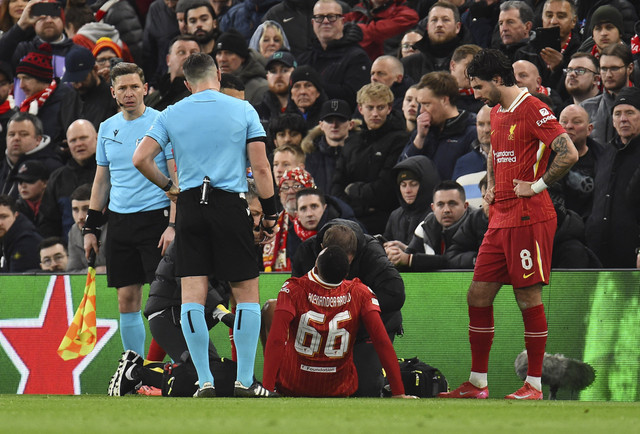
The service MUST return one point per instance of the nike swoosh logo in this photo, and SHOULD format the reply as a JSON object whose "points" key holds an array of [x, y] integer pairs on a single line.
{"points": [[522, 397], [286, 20], [526, 276], [463, 393]]}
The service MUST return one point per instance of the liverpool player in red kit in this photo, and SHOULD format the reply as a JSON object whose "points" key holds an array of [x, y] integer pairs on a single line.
{"points": [[517, 246], [309, 349]]}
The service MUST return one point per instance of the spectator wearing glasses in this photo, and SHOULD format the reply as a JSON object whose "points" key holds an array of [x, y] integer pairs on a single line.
{"points": [[342, 64], [276, 255], [616, 67], [407, 42], [53, 255], [582, 77]]}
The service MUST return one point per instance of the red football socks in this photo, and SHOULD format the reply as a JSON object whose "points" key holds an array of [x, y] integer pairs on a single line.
{"points": [[480, 336], [535, 338]]}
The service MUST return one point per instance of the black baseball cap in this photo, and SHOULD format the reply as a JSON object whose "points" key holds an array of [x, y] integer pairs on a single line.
{"points": [[283, 57], [31, 171], [336, 107]]}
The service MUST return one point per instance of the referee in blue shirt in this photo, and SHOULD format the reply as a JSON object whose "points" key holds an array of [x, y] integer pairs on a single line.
{"points": [[140, 215], [212, 136]]}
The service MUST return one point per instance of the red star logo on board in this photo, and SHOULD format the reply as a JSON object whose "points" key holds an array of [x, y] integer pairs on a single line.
{"points": [[32, 344]]}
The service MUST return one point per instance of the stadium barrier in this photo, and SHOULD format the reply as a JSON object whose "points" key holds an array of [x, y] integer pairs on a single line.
{"points": [[593, 316]]}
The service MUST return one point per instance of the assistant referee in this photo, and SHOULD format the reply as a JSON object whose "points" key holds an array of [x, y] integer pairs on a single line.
{"points": [[212, 135]]}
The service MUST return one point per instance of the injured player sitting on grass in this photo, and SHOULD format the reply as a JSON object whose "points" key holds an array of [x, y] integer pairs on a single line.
{"points": [[321, 313]]}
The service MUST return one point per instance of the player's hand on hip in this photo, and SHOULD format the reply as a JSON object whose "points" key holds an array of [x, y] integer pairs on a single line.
{"points": [[405, 396], [90, 243], [173, 193], [523, 188], [167, 236]]}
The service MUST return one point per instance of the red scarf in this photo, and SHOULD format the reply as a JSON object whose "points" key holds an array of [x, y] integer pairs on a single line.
{"points": [[40, 98], [564, 47], [543, 90], [274, 254], [465, 91], [302, 233], [5, 107], [594, 51]]}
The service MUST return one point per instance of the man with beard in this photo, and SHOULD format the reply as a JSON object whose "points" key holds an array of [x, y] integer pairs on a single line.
{"points": [[616, 68], [279, 67], [444, 34], [582, 77], [82, 73], [202, 24], [19, 40], [171, 87]]}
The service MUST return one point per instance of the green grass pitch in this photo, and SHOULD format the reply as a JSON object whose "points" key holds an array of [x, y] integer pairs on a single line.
{"points": [[140, 414]]}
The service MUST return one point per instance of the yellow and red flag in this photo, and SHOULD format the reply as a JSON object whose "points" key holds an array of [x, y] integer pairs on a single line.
{"points": [[82, 335]]}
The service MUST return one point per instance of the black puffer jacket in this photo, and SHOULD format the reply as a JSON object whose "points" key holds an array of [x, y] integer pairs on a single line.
{"points": [[56, 202], [295, 18], [370, 265], [405, 219], [363, 176], [427, 241], [613, 227], [344, 66], [19, 247], [161, 26], [17, 43]]}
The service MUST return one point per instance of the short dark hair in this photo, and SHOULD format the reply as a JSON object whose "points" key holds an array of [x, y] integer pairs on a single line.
{"points": [[6, 200], [341, 236], [450, 185], [51, 241], [197, 66], [621, 51], [311, 192], [126, 68], [572, 5], [591, 57], [489, 63], [290, 121], [447, 5], [483, 182], [441, 83], [199, 4], [25, 116], [83, 192], [333, 264], [230, 81], [181, 37]]}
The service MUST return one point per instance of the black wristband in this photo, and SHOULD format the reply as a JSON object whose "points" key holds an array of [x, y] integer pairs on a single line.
{"points": [[93, 221], [269, 205], [171, 225], [168, 186]]}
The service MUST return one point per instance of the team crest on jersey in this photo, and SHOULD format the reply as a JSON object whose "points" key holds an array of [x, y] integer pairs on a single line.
{"points": [[511, 132]]}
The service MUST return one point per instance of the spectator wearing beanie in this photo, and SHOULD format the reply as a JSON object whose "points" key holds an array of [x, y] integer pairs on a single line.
{"points": [[307, 95], [587, 9], [44, 96], [234, 57], [161, 26], [105, 50], [20, 40], [606, 27]]}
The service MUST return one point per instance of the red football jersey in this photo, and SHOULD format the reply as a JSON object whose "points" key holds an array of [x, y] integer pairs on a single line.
{"points": [[318, 358], [520, 139]]}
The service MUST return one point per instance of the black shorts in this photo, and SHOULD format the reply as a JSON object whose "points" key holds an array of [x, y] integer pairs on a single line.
{"points": [[132, 246], [215, 239]]}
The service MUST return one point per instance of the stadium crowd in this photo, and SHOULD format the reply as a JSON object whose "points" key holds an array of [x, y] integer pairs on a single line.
{"points": [[369, 114]]}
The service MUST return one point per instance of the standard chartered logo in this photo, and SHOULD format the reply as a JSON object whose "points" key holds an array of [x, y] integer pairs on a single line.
{"points": [[505, 157]]}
